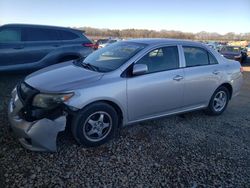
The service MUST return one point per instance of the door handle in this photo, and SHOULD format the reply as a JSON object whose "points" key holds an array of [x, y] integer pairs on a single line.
{"points": [[18, 47], [178, 78], [216, 72]]}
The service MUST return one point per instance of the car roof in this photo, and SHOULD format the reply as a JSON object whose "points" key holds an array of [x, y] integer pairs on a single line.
{"points": [[39, 26], [153, 41]]}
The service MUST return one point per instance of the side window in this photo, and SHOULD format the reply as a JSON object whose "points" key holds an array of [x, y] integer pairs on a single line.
{"points": [[161, 59], [40, 34], [195, 56], [212, 59], [67, 35], [10, 35]]}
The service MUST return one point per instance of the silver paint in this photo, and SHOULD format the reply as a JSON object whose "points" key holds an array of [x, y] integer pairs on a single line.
{"points": [[145, 96]]}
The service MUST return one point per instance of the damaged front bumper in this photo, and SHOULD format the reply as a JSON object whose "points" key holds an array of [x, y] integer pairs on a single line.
{"points": [[37, 135]]}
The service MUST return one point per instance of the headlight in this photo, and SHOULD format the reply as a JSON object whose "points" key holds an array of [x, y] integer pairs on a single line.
{"points": [[50, 100]]}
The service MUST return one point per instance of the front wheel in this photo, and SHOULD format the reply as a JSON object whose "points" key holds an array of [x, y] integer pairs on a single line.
{"points": [[95, 124], [218, 101]]}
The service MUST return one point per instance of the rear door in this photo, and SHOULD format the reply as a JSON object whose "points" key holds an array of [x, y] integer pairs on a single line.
{"points": [[202, 74], [75, 41], [39, 42], [160, 90], [69, 38], [11, 47]]}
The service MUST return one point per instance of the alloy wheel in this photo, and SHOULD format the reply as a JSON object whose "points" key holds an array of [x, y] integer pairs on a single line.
{"points": [[97, 126], [220, 101]]}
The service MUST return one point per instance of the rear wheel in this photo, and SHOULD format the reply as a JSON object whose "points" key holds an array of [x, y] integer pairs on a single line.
{"points": [[218, 102], [95, 124]]}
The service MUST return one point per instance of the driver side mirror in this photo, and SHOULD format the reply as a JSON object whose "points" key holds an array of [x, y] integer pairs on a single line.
{"points": [[139, 69]]}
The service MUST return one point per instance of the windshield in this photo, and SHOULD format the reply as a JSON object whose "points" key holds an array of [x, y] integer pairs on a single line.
{"points": [[112, 57], [234, 49]]}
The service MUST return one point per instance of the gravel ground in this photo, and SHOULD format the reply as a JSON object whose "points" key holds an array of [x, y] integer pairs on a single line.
{"points": [[192, 150]]}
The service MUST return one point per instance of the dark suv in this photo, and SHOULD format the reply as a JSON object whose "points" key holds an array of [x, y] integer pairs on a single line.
{"points": [[31, 47]]}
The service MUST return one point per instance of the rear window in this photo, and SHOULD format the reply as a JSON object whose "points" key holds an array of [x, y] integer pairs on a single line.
{"points": [[67, 35], [40, 34], [10, 35], [195, 56]]}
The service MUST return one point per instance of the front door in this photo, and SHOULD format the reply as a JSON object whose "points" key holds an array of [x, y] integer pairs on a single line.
{"points": [[12, 49], [160, 90]]}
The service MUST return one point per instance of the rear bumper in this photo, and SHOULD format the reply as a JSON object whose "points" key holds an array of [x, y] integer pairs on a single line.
{"points": [[39, 135]]}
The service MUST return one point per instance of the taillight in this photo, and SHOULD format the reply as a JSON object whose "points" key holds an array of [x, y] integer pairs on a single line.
{"points": [[241, 69], [91, 45]]}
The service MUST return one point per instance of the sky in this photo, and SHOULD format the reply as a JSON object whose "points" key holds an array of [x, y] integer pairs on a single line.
{"points": [[221, 16]]}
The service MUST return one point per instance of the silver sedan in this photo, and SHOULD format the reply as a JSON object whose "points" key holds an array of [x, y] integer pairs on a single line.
{"points": [[124, 83]]}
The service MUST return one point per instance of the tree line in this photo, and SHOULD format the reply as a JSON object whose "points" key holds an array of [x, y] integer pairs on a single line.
{"points": [[144, 33]]}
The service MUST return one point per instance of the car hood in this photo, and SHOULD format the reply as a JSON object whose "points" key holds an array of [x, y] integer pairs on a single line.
{"points": [[62, 77]]}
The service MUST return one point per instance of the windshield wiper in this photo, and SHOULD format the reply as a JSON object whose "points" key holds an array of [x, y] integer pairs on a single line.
{"points": [[90, 66], [79, 62]]}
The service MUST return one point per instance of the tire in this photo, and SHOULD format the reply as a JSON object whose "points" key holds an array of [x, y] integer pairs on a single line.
{"points": [[95, 124], [218, 102]]}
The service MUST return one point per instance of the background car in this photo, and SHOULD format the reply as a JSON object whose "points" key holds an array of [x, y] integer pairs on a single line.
{"points": [[212, 45], [101, 43], [31, 47], [219, 47], [234, 52]]}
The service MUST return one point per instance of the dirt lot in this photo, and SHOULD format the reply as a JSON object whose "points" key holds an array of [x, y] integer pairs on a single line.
{"points": [[185, 151]]}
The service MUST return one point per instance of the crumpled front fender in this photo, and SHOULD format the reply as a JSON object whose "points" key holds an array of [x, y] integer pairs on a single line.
{"points": [[43, 134], [39, 135]]}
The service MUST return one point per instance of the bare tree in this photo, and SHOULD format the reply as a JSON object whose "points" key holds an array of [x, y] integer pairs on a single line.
{"points": [[144, 33]]}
